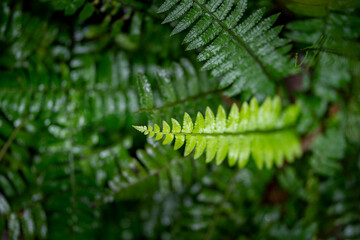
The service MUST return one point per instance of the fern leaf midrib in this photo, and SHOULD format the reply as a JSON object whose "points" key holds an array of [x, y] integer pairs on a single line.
{"points": [[322, 39], [61, 90], [237, 39], [12, 137], [191, 98], [216, 134], [326, 50], [144, 178]]}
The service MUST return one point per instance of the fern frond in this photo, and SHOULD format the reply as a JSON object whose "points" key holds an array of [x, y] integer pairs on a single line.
{"points": [[101, 95], [180, 87], [334, 51], [231, 48], [262, 132], [154, 169], [22, 217]]}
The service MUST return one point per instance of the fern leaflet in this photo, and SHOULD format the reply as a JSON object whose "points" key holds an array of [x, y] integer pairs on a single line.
{"points": [[263, 132]]}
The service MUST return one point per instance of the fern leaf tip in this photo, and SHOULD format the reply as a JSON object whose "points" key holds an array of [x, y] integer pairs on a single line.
{"points": [[140, 128]]}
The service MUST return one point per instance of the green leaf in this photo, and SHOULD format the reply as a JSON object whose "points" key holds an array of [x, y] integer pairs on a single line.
{"points": [[179, 139], [14, 227], [200, 140], [198, 28], [4, 205], [145, 92], [189, 19], [235, 15], [167, 5], [28, 224], [166, 87], [168, 137], [178, 11], [234, 119], [209, 121], [190, 140], [179, 81], [87, 11], [135, 26], [224, 9], [211, 148]]}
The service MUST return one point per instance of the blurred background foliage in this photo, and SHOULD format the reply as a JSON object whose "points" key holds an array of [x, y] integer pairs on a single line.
{"points": [[71, 166]]}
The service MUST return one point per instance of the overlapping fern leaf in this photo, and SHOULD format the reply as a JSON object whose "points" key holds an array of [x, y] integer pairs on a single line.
{"points": [[152, 171], [332, 50], [22, 216], [261, 132], [248, 54], [178, 88]]}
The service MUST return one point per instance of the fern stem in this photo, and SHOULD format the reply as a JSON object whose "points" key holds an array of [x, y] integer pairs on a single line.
{"points": [[192, 98], [321, 41], [265, 131], [11, 138], [237, 39], [325, 50]]}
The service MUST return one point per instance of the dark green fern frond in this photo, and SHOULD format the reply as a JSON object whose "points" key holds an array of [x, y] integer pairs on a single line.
{"points": [[334, 51], [96, 87], [180, 87], [321, 8], [23, 216], [262, 132], [328, 149], [68, 183], [154, 170], [248, 54]]}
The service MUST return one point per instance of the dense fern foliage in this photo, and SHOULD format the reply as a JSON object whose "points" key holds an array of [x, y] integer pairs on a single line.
{"points": [[271, 87]]}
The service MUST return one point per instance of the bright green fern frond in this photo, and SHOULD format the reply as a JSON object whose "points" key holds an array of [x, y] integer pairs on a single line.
{"points": [[248, 54], [262, 132]]}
